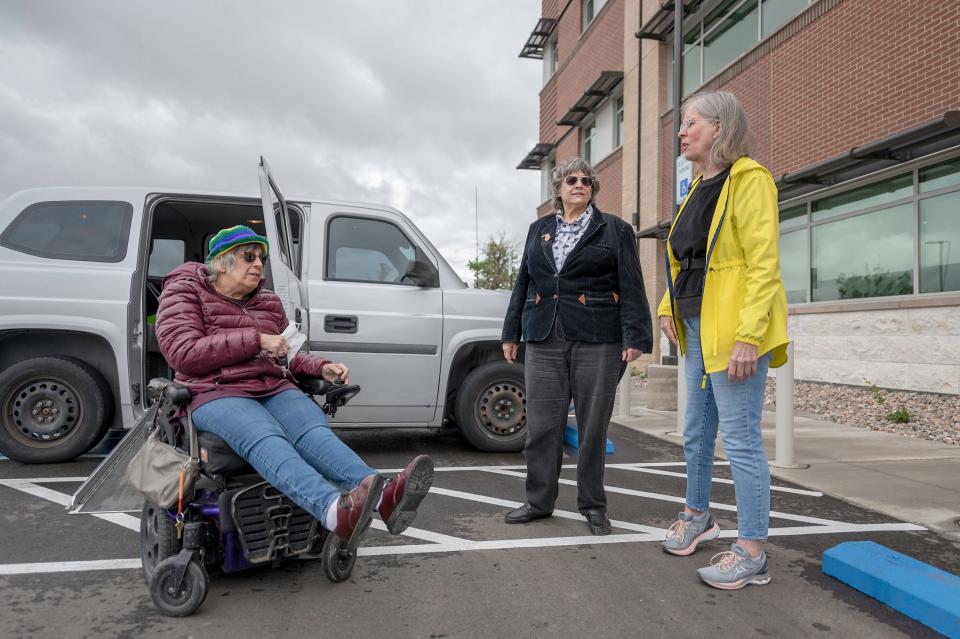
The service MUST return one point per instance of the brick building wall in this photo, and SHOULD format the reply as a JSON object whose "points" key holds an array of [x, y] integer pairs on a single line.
{"points": [[581, 58], [862, 70]]}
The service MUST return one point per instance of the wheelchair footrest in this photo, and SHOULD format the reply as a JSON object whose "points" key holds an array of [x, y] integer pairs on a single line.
{"points": [[270, 526]]}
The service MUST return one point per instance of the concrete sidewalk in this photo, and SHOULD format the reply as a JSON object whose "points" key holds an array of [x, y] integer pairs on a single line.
{"points": [[910, 479]]}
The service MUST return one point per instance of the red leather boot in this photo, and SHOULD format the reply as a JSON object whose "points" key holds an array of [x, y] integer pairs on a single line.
{"points": [[403, 494]]}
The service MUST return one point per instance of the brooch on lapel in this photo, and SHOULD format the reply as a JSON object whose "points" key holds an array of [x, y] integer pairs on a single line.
{"points": [[546, 237]]}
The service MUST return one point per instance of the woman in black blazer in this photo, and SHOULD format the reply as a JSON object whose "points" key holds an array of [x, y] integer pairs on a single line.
{"points": [[580, 305]]}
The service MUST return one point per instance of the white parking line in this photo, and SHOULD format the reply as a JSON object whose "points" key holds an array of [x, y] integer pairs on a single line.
{"points": [[719, 480], [441, 543]]}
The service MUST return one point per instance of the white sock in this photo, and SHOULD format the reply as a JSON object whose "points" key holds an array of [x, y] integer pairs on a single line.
{"points": [[330, 517]]}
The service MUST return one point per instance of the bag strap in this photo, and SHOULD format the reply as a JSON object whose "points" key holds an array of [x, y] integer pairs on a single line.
{"points": [[192, 435]]}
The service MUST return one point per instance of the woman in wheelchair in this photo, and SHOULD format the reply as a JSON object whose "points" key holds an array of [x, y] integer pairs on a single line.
{"points": [[220, 330]]}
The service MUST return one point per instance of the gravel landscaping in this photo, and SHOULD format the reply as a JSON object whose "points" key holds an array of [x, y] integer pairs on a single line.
{"points": [[930, 416]]}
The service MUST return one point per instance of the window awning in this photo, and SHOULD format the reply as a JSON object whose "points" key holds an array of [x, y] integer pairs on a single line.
{"points": [[533, 47], [535, 157], [660, 25], [592, 97], [660, 230], [941, 133]]}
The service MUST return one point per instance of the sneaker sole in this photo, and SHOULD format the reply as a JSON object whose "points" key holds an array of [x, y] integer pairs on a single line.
{"points": [[707, 535], [418, 485], [366, 515], [753, 580]]}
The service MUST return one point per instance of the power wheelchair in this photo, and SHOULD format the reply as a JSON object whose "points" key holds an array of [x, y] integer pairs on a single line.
{"points": [[235, 520]]}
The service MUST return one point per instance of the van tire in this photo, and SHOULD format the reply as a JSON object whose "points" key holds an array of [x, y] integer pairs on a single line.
{"points": [[491, 407], [78, 401]]}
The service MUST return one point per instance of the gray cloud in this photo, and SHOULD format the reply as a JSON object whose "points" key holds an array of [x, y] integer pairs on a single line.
{"points": [[411, 103]]}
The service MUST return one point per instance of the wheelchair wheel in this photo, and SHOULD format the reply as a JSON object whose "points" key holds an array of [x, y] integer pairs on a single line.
{"points": [[337, 559], [182, 601], [158, 538]]}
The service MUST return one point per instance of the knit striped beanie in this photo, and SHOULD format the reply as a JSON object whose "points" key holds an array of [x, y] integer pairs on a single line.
{"points": [[234, 236]]}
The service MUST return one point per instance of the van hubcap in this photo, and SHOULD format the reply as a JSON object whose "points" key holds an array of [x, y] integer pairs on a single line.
{"points": [[43, 410], [502, 409]]}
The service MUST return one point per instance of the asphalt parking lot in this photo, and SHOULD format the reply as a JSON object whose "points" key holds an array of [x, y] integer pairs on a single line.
{"points": [[460, 571]]}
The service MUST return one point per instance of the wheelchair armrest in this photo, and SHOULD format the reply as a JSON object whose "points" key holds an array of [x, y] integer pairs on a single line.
{"points": [[314, 385], [175, 392]]}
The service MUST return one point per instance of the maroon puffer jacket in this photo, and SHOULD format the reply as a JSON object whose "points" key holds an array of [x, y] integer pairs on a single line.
{"points": [[213, 341]]}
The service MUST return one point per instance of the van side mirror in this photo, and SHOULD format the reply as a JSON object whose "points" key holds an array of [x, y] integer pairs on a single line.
{"points": [[421, 273]]}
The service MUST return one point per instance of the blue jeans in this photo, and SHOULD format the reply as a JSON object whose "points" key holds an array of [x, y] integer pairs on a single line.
{"points": [[287, 440], [735, 409]]}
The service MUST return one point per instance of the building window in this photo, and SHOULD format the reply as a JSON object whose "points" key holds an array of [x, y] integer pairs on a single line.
{"points": [[546, 179], [587, 14], [724, 34], [618, 123], [864, 242], [589, 141], [551, 58]]}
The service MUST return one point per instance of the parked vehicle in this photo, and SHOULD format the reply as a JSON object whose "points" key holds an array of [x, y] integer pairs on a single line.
{"points": [[80, 275]]}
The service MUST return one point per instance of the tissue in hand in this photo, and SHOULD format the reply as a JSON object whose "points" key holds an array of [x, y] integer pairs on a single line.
{"points": [[295, 340]]}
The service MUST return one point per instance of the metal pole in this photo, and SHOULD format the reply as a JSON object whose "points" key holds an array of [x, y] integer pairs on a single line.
{"points": [[476, 222], [681, 394], [784, 438], [677, 97]]}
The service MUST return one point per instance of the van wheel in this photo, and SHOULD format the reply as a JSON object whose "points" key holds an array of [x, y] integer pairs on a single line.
{"points": [[53, 409], [491, 407]]}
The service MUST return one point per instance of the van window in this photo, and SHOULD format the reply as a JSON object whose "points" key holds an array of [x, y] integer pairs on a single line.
{"points": [[368, 250], [165, 256], [93, 231]]}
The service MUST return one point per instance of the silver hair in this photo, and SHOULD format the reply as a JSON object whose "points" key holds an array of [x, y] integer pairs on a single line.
{"points": [[736, 138], [569, 167], [228, 260]]}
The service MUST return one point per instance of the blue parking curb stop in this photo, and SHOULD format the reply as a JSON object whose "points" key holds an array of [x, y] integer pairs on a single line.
{"points": [[570, 438], [918, 590]]}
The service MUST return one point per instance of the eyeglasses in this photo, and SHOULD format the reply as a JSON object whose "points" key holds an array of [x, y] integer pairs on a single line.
{"points": [[585, 180], [252, 256], [686, 124]]}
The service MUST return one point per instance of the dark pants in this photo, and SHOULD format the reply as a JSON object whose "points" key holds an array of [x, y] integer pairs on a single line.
{"points": [[557, 369]]}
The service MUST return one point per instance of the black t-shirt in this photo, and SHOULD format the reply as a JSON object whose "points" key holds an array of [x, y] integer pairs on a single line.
{"points": [[689, 241]]}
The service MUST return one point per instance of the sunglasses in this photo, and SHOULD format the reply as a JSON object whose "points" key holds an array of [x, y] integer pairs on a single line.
{"points": [[585, 180], [252, 256]]}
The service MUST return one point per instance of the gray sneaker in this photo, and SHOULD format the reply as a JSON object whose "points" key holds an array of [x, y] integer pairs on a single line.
{"points": [[688, 531], [734, 569]]}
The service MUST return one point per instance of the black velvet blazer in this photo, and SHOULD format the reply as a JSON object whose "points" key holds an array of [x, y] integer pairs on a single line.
{"points": [[598, 295]]}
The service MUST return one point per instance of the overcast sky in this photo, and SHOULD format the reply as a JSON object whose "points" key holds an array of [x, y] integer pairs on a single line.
{"points": [[412, 103]]}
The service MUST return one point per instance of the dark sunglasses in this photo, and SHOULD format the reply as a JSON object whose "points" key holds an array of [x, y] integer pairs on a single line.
{"points": [[251, 256], [584, 180]]}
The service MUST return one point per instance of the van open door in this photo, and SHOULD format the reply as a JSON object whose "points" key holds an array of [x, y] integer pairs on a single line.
{"points": [[284, 267]]}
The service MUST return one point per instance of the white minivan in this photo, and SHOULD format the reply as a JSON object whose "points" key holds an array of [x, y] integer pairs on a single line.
{"points": [[80, 275]]}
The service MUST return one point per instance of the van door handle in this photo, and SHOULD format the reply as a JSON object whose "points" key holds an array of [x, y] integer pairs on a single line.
{"points": [[340, 323]]}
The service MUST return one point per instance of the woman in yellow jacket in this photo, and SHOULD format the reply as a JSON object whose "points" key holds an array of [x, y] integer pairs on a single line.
{"points": [[727, 310]]}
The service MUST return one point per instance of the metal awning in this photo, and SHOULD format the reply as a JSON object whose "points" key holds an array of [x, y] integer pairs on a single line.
{"points": [[941, 133], [535, 157], [660, 230], [533, 47], [592, 97], [660, 25]]}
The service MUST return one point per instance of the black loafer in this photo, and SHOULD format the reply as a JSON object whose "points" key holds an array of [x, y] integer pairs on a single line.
{"points": [[524, 514], [599, 524]]}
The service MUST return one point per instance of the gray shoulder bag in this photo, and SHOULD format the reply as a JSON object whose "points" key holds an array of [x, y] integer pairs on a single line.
{"points": [[163, 474]]}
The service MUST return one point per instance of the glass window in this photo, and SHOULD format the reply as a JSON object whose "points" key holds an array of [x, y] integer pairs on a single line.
{"points": [[589, 133], [691, 63], [777, 13], [618, 123], [940, 243], [587, 13], [869, 255], [793, 217], [794, 265], [865, 197], [165, 255], [93, 231], [729, 37], [368, 250], [940, 176]]}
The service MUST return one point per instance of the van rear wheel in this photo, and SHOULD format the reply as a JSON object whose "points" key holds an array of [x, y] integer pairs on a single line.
{"points": [[491, 407], [52, 409]]}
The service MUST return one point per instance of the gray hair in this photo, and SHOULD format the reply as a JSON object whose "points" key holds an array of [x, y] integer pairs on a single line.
{"points": [[228, 260], [569, 167], [736, 139]]}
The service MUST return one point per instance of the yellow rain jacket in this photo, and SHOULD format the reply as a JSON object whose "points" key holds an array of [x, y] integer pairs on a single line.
{"points": [[743, 295]]}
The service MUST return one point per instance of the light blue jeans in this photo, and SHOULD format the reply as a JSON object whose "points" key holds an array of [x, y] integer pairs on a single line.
{"points": [[735, 409], [287, 440]]}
